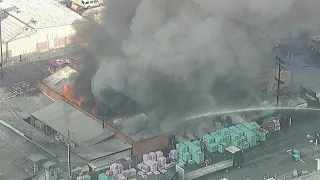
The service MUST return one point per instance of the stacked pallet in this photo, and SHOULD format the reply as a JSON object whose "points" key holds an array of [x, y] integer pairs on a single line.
{"points": [[243, 136], [155, 162], [190, 151], [117, 172], [271, 124]]}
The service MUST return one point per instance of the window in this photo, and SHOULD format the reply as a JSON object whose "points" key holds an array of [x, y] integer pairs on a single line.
{"points": [[96, 1], [87, 2], [91, 2]]}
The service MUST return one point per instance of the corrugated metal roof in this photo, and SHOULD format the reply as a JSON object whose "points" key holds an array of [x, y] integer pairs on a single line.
{"points": [[25, 106], [60, 78], [48, 13], [61, 116]]}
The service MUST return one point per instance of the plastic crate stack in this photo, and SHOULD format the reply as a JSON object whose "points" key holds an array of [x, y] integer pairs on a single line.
{"points": [[104, 176], [84, 177], [117, 172], [173, 154], [154, 163], [188, 151], [243, 136]]}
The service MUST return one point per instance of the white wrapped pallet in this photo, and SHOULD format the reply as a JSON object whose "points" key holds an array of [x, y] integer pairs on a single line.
{"points": [[159, 154], [140, 166], [116, 171], [133, 172], [120, 167], [153, 156], [126, 173], [109, 173], [146, 157], [153, 166], [140, 173], [80, 178], [145, 168], [162, 161], [173, 154]]}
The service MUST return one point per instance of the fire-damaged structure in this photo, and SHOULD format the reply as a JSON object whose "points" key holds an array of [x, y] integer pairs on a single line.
{"points": [[70, 106]]}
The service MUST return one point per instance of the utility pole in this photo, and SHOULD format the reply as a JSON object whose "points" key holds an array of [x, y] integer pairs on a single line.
{"points": [[279, 63], [69, 154]]}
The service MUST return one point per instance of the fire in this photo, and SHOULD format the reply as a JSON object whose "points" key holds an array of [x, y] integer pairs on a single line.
{"points": [[68, 92]]}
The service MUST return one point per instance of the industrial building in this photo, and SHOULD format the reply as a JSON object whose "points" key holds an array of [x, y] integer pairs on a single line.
{"points": [[36, 26], [52, 87]]}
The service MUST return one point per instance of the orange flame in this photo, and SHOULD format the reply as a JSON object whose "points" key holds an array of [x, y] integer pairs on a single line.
{"points": [[68, 92]]}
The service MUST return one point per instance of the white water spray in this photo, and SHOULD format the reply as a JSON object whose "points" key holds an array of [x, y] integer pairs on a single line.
{"points": [[223, 112], [212, 113]]}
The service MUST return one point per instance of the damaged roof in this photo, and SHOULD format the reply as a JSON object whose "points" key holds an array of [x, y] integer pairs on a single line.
{"points": [[57, 80]]}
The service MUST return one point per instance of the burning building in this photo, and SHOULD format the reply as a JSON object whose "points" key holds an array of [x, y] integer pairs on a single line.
{"points": [[60, 87]]}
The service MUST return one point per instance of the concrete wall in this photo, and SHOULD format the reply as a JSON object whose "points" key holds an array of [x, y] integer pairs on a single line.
{"points": [[151, 144], [41, 41]]}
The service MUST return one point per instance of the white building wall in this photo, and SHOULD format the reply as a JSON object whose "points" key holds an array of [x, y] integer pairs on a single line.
{"points": [[28, 44]]}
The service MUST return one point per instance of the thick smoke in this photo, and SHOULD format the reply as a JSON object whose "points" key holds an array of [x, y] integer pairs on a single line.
{"points": [[178, 57]]}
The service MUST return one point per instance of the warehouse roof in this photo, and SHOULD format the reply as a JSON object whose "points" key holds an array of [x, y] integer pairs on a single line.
{"points": [[33, 15], [61, 116], [64, 76]]}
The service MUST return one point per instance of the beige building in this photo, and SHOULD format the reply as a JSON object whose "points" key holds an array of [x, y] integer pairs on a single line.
{"points": [[36, 26]]}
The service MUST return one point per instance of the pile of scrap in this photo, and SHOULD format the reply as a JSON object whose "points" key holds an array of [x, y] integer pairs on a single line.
{"points": [[271, 124]]}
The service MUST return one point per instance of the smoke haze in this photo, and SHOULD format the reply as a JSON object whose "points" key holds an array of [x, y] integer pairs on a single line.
{"points": [[175, 58]]}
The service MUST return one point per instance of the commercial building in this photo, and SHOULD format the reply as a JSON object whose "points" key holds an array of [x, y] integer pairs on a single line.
{"points": [[36, 26], [143, 143]]}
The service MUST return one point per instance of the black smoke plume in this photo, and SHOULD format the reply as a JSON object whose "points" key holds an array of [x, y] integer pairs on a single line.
{"points": [[173, 58]]}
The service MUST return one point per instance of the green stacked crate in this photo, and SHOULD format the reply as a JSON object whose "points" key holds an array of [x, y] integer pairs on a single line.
{"points": [[222, 147], [250, 127], [237, 144], [218, 139], [213, 134], [256, 125], [199, 158], [212, 147], [208, 139], [227, 139], [234, 136], [219, 132], [226, 131], [197, 143], [262, 136], [193, 149], [245, 145], [86, 177], [187, 157], [180, 165], [242, 138], [102, 176]]}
